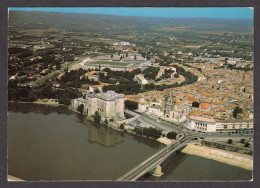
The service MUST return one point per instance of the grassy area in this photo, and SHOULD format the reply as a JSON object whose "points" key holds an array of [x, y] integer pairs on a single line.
{"points": [[110, 63]]}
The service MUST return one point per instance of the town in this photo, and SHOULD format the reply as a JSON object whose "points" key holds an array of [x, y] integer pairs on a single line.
{"points": [[181, 82]]}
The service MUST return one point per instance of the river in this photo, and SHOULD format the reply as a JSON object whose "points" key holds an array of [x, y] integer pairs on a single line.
{"points": [[55, 143]]}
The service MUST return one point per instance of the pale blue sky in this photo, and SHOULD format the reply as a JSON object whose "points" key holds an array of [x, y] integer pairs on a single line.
{"points": [[166, 12]]}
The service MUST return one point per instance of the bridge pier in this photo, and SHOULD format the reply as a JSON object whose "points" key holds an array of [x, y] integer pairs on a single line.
{"points": [[158, 171]]}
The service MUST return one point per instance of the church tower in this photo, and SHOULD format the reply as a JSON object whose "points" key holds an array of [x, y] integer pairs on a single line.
{"points": [[169, 104]]}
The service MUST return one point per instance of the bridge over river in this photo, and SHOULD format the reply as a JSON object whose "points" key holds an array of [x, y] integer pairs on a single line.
{"points": [[152, 164]]}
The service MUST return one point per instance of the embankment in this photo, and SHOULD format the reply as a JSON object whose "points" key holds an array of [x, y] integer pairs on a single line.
{"points": [[228, 157]]}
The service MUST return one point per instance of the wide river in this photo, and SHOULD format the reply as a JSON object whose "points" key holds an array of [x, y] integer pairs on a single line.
{"points": [[55, 143]]}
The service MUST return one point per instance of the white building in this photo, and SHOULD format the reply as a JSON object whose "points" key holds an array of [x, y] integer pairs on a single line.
{"points": [[157, 110], [201, 124], [211, 125], [140, 79], [229, 125], [109, 105], [143, 106]]}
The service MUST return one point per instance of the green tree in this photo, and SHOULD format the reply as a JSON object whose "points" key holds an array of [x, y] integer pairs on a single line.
{"points": [[229, 141], [236, 111], [64, 99], [122, 126], [131, 105], [176, 76], [97, 117], [96, 90], [171, 135], [80, 108], [242, 140], [247, 145], [195, 104], [32, 97]]}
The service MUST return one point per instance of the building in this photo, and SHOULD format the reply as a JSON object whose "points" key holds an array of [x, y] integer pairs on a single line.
{"points": [[140, 79], [201, 124], [169, 105], [205, 124], [229, 125], [109, 105]]}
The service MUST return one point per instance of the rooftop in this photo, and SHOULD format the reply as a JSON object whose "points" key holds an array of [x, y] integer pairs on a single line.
{"points": [[110, 95], [202, 119]]}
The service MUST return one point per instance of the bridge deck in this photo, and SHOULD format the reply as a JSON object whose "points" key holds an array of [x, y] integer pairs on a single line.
{"points": [[155, 160]]}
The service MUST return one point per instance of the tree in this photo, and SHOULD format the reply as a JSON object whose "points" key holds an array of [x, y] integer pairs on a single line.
{"points": [[229, 141], [64, 99], [242, 140], [195, 104], [32, 97], [58, 65], [96, 90], [176, 76], [131, 105], [97, 117], [171, 135], [80, 108], [236, 111], [247, 145], [122, 126]]}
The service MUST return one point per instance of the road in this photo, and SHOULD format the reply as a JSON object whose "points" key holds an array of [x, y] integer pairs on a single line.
{"points": [[181, 128], [185, 136], [155, 160]]}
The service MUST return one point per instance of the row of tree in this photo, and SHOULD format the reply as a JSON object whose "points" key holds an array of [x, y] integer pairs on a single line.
{"points": [[28, 94], [149, 132]]}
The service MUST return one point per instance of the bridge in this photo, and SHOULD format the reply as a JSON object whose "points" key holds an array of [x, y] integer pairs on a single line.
{"points": [[152, 164]]}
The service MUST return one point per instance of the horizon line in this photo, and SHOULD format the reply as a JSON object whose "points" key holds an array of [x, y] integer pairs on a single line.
{"points": [[123, 13]]}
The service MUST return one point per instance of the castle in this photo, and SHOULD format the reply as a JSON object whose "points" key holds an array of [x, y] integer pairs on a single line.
{"points": [[109, 105]]}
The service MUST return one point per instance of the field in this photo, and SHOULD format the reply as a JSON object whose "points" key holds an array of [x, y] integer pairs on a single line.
{"points": [[114, 63]]}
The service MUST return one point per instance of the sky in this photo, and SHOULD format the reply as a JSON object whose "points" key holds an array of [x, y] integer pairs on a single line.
{"points": [[165, 12]]}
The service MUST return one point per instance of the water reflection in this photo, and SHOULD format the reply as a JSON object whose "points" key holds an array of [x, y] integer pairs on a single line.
{"points": [[104, 136], [68, 147], [26, 108]]}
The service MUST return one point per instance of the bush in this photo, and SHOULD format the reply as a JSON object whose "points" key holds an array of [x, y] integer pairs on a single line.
{"points": [[149, 132], [80, 108], [236, 111], [97, 117], [229, 141], [242, 141], [131, 105], [171, 135], [64, 99], [247, 145], [122, 126], [195, 104]]}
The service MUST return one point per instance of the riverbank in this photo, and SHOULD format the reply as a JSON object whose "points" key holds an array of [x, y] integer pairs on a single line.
{"points": [[52, 102], [12, 178], [228, 157], [165, 140]]}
